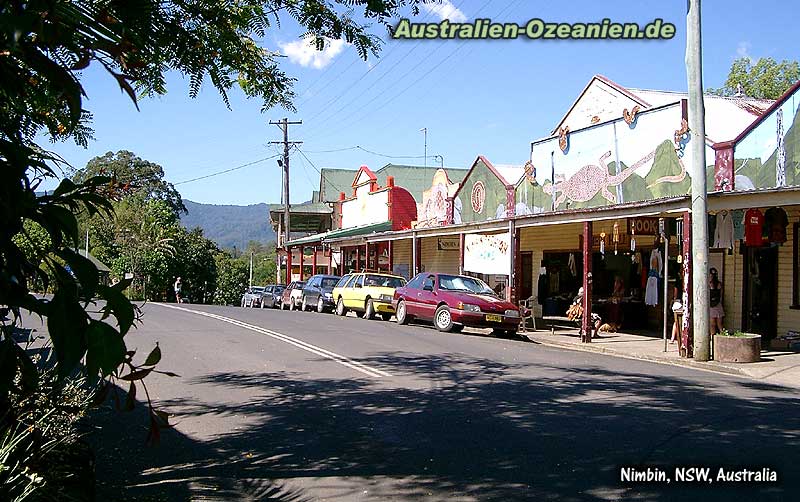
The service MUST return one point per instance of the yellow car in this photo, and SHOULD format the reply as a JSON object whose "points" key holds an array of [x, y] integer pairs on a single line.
{"points": [[367, 293]]}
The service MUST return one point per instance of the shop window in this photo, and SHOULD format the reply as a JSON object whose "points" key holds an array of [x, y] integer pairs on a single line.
{"points": [[796, 263]]}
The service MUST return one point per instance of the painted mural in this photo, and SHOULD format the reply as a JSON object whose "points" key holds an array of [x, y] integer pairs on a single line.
{"points": [[481, 197], [433, 209], [769, 155], [612, 163]]}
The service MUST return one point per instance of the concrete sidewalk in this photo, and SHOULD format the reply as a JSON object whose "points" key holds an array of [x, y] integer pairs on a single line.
{"points": [[775, 367]]}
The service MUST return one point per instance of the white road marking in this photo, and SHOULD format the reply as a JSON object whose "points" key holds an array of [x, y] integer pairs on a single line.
{"points": [[360, 367]]}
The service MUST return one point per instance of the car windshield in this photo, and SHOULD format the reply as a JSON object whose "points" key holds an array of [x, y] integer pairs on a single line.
{"points": [[384, 281], [329, 282], [462, 283]]}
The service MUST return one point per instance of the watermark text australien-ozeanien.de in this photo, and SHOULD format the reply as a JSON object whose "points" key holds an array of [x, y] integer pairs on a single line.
{"points": [[535, 29]]}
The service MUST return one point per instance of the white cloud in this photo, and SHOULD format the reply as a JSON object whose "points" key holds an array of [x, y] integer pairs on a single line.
{"points": [[743, 49], [305, 53], [445, 10]]}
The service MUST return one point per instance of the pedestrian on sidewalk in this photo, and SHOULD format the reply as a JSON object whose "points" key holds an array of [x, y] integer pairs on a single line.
{"points": [[178, 290]]}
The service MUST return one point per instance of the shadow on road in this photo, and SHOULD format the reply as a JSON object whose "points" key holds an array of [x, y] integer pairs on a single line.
{"points": [[467, 429]]}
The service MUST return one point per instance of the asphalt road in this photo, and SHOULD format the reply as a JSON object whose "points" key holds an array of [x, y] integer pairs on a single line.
{"points": [[348, 409]]}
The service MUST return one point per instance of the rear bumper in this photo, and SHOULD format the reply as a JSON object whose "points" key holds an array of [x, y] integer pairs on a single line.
{"points": [[383, 307], [478, 320]]}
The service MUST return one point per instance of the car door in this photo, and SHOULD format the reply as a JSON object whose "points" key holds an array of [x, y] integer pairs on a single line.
{"points": [[311, 291], [426, 298], [356, 297]]}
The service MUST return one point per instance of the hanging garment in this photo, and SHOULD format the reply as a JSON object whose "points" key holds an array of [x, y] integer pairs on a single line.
{"points": [[571, 264], [712, 227], [651, 291], [723, 235], [738, 224], [656, 262], [776, 221], [753, 228], [542, 288]]}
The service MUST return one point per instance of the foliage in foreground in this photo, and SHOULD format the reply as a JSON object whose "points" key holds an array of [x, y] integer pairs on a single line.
{"points": [[44, 46]]}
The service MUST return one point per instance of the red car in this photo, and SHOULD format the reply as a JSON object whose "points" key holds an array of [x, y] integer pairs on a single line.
{"points": [[454, 301]]}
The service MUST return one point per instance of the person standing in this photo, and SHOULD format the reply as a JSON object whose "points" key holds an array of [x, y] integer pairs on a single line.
{"points": [[178, 290], [715, 302]]}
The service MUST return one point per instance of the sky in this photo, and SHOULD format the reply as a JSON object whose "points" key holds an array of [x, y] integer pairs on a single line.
{"points": [[488, 98]]}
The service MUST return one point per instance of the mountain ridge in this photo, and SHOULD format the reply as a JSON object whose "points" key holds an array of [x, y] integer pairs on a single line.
{"points": [[229, 225]]}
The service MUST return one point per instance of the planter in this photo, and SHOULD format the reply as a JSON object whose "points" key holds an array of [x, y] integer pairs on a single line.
{"points": [[745, 348]]}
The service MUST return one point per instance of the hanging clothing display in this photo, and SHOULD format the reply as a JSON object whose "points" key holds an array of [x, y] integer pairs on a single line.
{"points": [[753, 227], [775, 220], [651, 290], [571, 264], [723, 234], [738, 224]]}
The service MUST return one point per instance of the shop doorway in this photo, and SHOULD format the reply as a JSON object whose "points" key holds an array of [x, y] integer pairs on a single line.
{"points": [[760, 312], [526, 288]]}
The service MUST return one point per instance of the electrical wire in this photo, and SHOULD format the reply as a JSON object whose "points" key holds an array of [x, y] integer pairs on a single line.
{"points": [[226, 170]]}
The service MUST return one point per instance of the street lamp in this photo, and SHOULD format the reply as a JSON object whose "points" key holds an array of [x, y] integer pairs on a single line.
{"points": [[424, 131], [441, 160]]}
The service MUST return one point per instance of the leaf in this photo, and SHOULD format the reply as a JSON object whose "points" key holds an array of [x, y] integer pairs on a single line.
{"points": [[30, 375], [67, 325], [154, 357], [130, 401], [119, 304], [106, 350], [136, 374], [168, 373], [153, 433], [83, 268]]}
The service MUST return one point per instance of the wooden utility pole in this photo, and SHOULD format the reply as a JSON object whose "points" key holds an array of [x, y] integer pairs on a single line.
{"points": [[284, 126], [699, 263]]}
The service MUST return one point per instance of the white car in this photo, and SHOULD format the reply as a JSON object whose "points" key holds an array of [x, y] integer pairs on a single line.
{"points": [[252, 297], [293, 295]]}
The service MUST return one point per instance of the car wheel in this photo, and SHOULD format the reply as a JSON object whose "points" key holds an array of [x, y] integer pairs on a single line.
{"points": [[386, 317], [292, 305], [304, 305], [369, 309], [442, 319], [340, 310], [401, 316], [320, 305]]}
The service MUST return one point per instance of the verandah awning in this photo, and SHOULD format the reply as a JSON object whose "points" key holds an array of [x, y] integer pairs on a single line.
{"points": [[342, 233]]}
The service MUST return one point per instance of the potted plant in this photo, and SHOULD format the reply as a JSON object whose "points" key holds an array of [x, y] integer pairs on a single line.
{"points": [[737, 347]]}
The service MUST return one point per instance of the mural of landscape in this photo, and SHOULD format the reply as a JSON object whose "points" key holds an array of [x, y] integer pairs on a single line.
{"points": [[769, 155], [653, 154]]}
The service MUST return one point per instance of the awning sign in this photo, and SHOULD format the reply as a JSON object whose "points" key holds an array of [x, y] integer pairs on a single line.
{"points": [[488, 254]]}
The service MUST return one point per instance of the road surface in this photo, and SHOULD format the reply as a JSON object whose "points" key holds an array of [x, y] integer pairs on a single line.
{"points": [[292, 406]]}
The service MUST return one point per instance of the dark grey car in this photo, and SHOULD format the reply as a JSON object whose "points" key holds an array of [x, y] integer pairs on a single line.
{"points": [[271, 297], [318, 293]]}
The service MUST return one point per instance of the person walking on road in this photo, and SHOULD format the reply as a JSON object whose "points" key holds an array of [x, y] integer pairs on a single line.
{"points": [[178, 290]]}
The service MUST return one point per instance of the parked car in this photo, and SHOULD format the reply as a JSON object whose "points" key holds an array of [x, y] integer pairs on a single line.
{"points": [[368, 293], [290, 298], [252, 296], [455, 301], [271, 297], [317, 293]]}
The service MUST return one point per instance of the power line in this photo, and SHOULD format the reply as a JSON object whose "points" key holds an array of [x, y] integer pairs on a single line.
{"points": [[227, 170]]}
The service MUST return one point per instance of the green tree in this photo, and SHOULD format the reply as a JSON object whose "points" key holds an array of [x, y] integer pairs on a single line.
{"points": [[232, 279], [197, 267], [766, 79], [135, 175]]}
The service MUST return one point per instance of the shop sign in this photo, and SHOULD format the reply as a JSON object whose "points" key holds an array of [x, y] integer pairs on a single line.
{"points": [[643, 226], [449, 244], [488, 254]]}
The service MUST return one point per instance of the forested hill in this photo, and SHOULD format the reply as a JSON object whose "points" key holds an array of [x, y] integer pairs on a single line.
{"points": [[229, 226]]}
